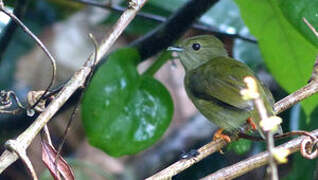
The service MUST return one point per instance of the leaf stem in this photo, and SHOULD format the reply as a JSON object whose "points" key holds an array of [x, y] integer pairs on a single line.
{"points": [[161, 60]]}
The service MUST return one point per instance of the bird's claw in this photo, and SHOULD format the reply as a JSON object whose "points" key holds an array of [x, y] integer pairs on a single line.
{"points": [[219, 135], [251, 123]]}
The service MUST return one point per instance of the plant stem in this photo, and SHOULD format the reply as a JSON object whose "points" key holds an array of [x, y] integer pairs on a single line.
{"points": [[161, 60]]}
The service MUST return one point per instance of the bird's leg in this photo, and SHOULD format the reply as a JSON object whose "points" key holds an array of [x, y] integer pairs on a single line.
{"points": [[219, 135], [251, 123]]}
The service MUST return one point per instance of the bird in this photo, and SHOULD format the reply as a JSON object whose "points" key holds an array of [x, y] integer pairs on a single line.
{"points": [[213, 82]]}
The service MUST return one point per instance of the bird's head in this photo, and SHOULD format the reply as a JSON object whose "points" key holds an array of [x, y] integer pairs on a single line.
{"points": [[197, 50]]}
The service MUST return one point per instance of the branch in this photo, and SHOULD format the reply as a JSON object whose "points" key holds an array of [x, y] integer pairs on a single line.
{"points": [[76, 82], [296, 97], [256, 161], [183, 164]]}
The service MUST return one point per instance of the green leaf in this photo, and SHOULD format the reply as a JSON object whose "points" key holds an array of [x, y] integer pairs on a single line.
{"points": [[140, 25], [296, 10], [240, 146], [288, 55], [123, 112], [64, 9]]}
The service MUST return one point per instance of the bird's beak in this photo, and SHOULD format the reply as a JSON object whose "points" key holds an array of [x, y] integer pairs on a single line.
{"points": [[175, 48]]}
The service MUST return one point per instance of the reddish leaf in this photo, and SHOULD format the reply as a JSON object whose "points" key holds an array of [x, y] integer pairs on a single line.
{"points": [[58, 170]]}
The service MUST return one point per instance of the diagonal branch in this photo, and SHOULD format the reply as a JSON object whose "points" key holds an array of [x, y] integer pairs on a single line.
{"points": [[76, 82], [256, 161]]}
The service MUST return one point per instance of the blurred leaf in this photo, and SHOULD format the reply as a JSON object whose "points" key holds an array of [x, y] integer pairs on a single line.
{"points": [[247, 52], [225, 16], [167, 5], [36, 19], [123, 112], [19, 45], [57, 9], [140, 25], [296, 10], [65, 8], [240, 146], [288, 55]]}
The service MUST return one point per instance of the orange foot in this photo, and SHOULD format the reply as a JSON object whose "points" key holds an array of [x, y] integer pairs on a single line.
{"points": [[218, 135], [251, 123]]}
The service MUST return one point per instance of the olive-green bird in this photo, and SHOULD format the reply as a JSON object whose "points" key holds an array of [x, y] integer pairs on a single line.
{"points": [[213, 82]]}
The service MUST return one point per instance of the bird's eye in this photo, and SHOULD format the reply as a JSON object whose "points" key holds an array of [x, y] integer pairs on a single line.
{"points": [[196, 46]]}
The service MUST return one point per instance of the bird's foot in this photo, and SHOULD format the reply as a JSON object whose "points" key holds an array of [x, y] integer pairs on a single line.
{"points": [[219, 135], [251, 123]]}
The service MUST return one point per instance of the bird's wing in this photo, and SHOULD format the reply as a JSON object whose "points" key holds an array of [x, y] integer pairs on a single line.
{"points": [[221, 81]]}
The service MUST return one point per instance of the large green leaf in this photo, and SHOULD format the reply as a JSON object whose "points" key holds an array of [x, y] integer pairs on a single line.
{"points": [[288, 55], [122, 111], [296, 10]]}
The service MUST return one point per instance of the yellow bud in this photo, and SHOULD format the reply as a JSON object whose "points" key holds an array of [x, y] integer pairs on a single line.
{"points": [[271, 123], [280, 155], [251, 92]]}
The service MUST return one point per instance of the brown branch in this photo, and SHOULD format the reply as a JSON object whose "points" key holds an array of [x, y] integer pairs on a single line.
{"points": [[296, 97], [256, 161], [183, 164], [76, 82]]}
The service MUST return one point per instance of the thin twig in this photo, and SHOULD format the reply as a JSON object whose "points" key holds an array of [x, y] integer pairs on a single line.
{"points": [[314, 74], [311, 27], [161, 19], [68, 126], [6, 102], [296, 97], [76, 82], [38, 41], [252, 93]]}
